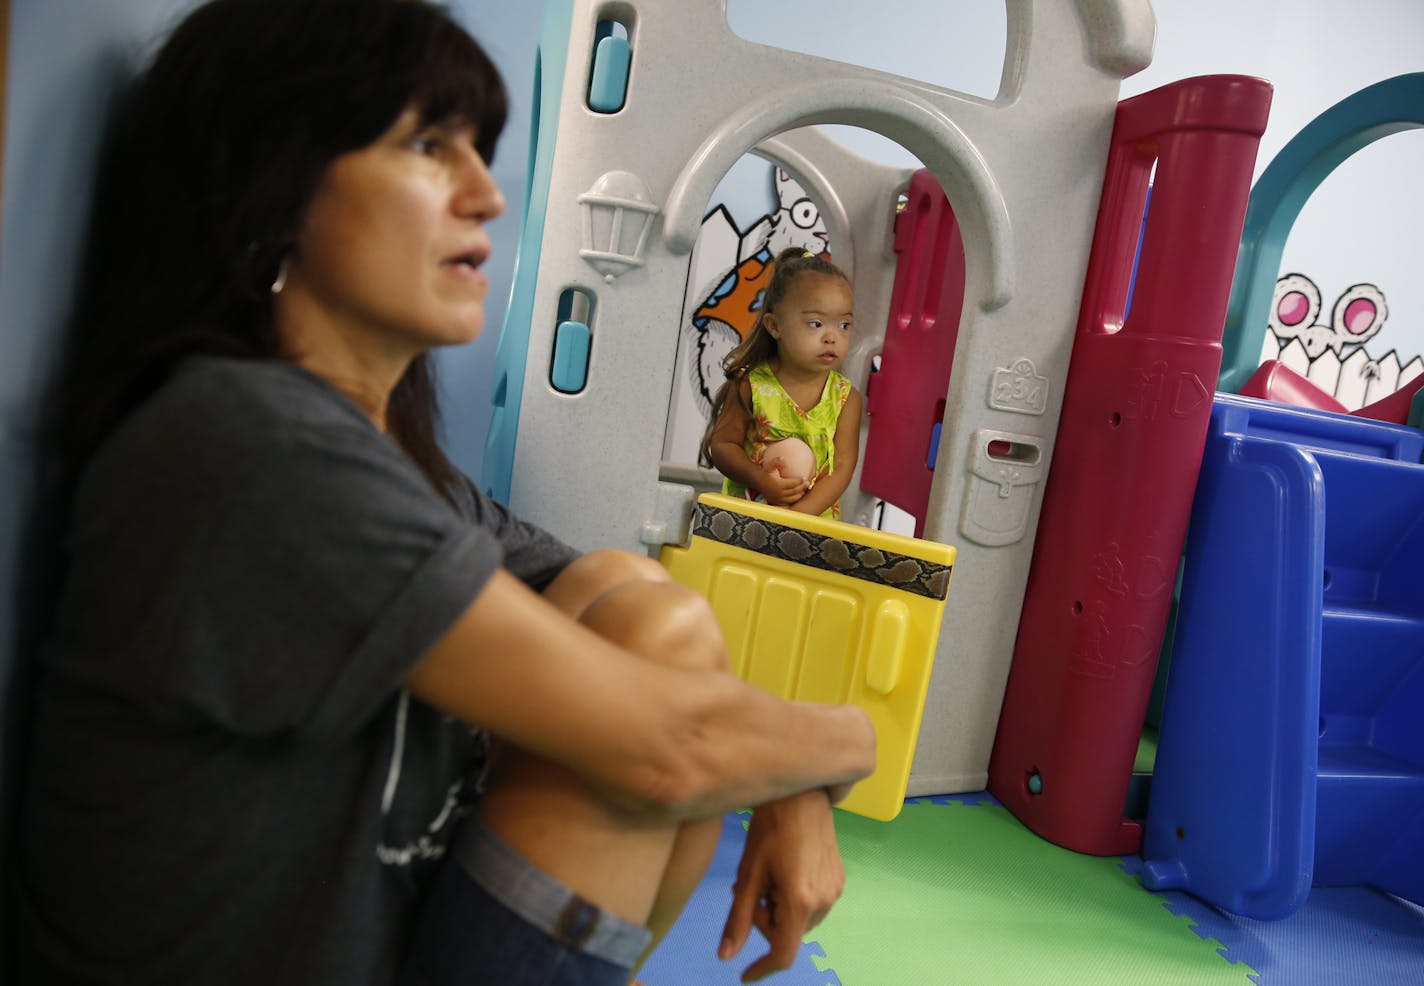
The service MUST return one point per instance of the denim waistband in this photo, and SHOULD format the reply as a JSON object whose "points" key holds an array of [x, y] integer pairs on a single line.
{"points": [[543, 901]]}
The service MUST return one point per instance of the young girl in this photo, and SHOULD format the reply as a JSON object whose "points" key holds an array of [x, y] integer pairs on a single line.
{"points": [[784, 394]]}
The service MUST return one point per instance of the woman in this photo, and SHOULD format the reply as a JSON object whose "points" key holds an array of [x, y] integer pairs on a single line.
{"points": [[286, 610]]}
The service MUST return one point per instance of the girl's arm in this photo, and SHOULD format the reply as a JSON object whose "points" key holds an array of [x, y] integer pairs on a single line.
{"points": [[662, 741], [731, 460], [831, 485]]}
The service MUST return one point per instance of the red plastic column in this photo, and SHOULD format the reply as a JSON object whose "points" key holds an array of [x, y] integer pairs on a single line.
{"points": [[1125, 463], [906, 398]]}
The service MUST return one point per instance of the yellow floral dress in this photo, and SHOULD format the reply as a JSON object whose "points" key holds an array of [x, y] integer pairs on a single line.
{"points": [[776, 416]]}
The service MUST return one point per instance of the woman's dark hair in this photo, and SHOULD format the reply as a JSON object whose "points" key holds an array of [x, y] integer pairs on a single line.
{"points": [[759, 346], [209, 167]]}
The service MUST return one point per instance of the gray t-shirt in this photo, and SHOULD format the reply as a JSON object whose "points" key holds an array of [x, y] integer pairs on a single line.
{"points": [[228, 784]]}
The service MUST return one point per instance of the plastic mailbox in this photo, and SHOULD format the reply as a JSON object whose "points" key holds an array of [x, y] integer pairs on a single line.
{"points": [[1292, 746], [823, 611], [1129, 442]]}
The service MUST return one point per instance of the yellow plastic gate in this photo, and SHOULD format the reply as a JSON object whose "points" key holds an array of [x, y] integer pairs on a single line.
{"points": [[823, 611]]}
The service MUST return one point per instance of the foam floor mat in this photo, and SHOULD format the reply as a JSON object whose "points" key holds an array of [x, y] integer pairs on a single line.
{"points": [[957, 890]]}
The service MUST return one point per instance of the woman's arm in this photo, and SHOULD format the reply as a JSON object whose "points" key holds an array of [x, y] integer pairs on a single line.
{"points": [[667, 742], [831, 485], [732, 461]]}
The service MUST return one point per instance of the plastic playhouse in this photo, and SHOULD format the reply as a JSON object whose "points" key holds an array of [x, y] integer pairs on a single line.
{"points": [[611, 225], [1004, 351]]}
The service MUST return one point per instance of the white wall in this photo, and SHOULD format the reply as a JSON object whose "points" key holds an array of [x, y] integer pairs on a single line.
{"points": [[1364, 223]]}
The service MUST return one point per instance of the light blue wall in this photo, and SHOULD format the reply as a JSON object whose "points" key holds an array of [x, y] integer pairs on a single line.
{"points": [[67, 59], [510, 32]]}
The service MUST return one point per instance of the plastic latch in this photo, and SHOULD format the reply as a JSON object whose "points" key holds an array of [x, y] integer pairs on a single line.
{"points": [[571, 344], [889, 639], [610, 75]]}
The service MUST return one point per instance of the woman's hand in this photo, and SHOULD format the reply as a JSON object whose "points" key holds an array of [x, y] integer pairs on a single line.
{"points": [[790, 875]]}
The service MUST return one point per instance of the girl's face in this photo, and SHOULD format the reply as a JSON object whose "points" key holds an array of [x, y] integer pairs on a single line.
{"points": [[389, 250], [812, 324]]}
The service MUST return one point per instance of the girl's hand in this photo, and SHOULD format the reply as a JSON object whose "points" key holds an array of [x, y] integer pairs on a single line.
{"points": [[779, 490], [801, 503]]}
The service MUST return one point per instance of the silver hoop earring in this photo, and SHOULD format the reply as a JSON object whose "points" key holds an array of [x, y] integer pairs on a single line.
{"points": [[280, 281]]}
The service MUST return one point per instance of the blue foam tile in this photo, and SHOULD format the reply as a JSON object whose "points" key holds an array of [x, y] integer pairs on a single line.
{"points": [[688, 954], [972, 799], [1342, 936], [818, 955]]}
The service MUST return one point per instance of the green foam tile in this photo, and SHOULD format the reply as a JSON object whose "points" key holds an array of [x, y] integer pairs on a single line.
{"points": [[952, 893]]}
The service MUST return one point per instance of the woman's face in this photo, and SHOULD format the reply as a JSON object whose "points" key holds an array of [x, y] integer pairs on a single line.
{"points": [[389, 250]]}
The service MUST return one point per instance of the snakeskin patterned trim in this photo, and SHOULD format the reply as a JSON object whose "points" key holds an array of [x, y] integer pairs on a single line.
{"points": [[829, 554]]}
